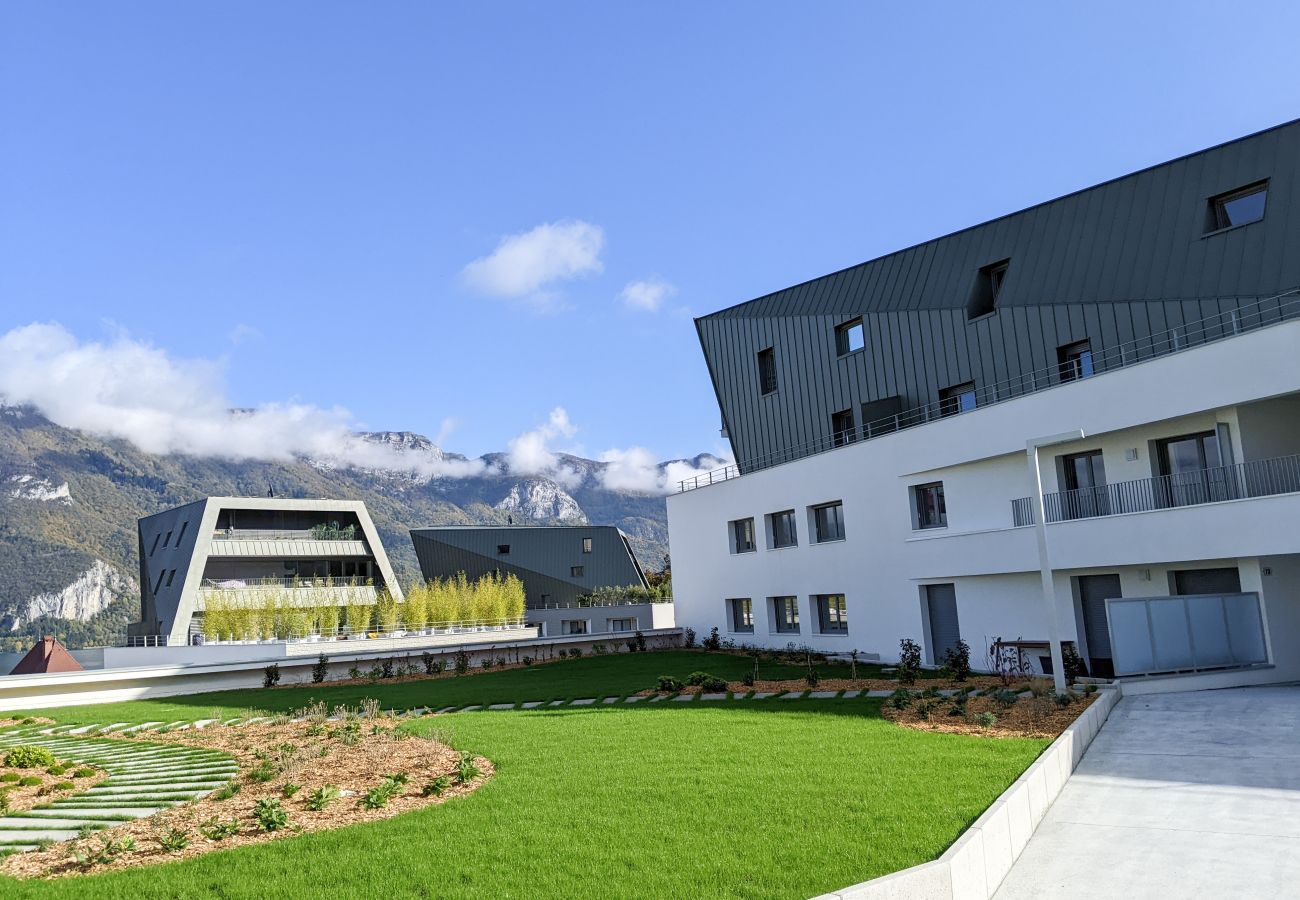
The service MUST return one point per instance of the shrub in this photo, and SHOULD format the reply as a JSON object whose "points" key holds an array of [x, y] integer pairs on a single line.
{"points": [[174, 841], [107, 851], [216, 830], [28, 757], [231, 789], [322, 797], [909, 661], [465, 769], [527, 660], [29, 781], [1090, 689], [575, 653], [748, 680], [640, 640], [461, 662], [386, 668], [958, 707], [262, 772], [10, 776], [925, 707], [697, 678], [271, 675], [375, 673], [4, 802], [1041, 687], [713, 642], [562, 653], [432, 664], [56, 770], [900, 699], [688, 638], [1006, 698], [986, 720], [631, 645], [957, 660], [288, 789], [354, 673], [486, 662], [63, 786], [270, 815], [321, 669], [669, 683], [1063, 700], [599, 649], [812, 677], [1073, 666], [378, 796], [437, 787], [713, 684]]}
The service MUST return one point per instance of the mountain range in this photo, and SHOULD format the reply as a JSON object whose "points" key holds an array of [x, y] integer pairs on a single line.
{"points": [[69, 502]]}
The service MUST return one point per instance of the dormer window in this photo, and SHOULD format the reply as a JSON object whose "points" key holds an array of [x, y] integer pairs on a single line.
{"points": [[1239, 207], [988, 288], [849, 338]]}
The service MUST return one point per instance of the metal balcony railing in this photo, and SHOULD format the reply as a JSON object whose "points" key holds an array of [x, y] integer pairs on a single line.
{"points": [[319, 533], [240, 584], [1251, 315], [1259, 478], [308, 635], [597, 604]]}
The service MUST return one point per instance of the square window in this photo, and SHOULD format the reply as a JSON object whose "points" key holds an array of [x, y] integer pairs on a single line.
{"points": [[576, 571], [828, 522], [1075, 360], [785, 614], [959, 398], [767, 370], [842, 430], [573, 626], [622, 624], [586, 545], [928, 509], [1239, 207], [781, 529], [850, 337], [742, 536], [503, 549], [740, 613], [832, 613]]}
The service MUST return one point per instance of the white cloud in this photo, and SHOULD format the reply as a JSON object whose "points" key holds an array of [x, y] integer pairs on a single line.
{"points": [[530, 453], [637, 469], [523, 265], [647, 295], [127, 389]]}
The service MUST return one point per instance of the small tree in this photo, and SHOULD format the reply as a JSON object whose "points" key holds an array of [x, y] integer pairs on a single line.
{"points": [[1070, 658], [713, 641], [688, 638], [321, 669], [271, 675], [957, 659], [909, 661]]}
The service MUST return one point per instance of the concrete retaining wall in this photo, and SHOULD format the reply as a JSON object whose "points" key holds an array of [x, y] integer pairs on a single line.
{"points": [[974, 866]]}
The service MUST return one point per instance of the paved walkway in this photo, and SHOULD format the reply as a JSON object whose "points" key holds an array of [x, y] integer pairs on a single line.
{"points": [[1180, 795]]}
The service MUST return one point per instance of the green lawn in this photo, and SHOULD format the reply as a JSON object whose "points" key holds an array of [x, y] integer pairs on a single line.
{"points": [[748, 799], [591, 676]]}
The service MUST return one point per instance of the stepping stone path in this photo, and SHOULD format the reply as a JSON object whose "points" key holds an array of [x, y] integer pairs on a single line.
{"points": [[713, 696], [762, 695], [822, 695], [502, 706], [586, 701], [532, 704], [144, 778]]}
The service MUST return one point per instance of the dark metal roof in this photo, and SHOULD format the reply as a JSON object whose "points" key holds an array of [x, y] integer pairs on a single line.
{"points": [[1140, 237]]}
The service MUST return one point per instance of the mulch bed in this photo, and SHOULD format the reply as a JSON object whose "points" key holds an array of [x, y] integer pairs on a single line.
{"points": [[1033, 717], [311, 754], [19, 798]]}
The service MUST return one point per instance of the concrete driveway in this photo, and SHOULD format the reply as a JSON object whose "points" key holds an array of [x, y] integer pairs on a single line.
{"points": [[1180, 795]]}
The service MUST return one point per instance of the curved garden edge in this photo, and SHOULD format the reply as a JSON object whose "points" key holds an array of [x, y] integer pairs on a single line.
{"points": [[355, 761], [976, 863]]}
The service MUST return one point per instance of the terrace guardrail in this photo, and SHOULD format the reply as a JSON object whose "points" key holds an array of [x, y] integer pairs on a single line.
{"points": [[596, 604], [343, 633], [240, 584], [1251, 315], [1257, 478], [319, 533]]}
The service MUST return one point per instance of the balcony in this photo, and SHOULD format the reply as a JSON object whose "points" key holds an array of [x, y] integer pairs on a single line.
{"points": [[1260, 478], [320, 541], [294, 590]]}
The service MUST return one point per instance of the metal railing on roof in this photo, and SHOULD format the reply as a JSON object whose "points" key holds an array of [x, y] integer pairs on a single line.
{"points": [[1257, 478], [1251, 315], [318, 533]]}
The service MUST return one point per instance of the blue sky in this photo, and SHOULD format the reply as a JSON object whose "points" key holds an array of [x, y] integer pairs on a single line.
{"points": [[292, 196]]}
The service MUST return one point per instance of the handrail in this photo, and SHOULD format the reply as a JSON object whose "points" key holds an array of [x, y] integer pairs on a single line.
{"points": [[287, 534], [240, 584], [310, 635], [1250, 316], [595, 604], [1256, 478]]}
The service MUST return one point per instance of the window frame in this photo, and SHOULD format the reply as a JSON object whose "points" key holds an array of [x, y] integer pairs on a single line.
{"points": [[1216, 220], [1069, 360], [843, 334], [831, 620], [735, 615], [577, 571], [566, 626], [841, 435], [950, 399], [920, 520], [734, 536], [503, 549], [768, 383], [816, 529], [772, 518], [586, 545], [781, 622]]}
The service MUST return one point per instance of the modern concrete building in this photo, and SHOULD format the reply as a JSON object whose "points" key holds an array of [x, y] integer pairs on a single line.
{"points": [[250, 547], [1141, 336], [559, 566]]}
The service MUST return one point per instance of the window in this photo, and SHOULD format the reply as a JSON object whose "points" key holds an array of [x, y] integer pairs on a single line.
{"points": [[988, 287], [576, 571], [959, 398], [849, 337], [1083, 482], [503, 549], [586, 545], [622, 624], [546, 598], [1075, 360], [782, 529], [1239, 207], [158, 584], [740, 613], [167, 540], [828, 522], [842, 431], [180, 537], [170, 576], [832, 614], [742, 536], [156, 539], [928, 508], [785, 614], [767, 370], [573, 626]]}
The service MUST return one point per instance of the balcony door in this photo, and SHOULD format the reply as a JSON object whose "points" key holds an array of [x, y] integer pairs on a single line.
{"points": [[1191, 470], [1083, 475]]}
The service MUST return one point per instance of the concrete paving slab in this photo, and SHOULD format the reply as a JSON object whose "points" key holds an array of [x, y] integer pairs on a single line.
{"points": [[657, 697], [633, 699], [823, 695], [204, 723], [849, 695], [585, 701], [20, 822], [39, 834], [684, 698], [609, 700], [556, 703], [791, 695], [879, 693], [712, 696], [499, 706], [97, 812], [532, 704], [1189, 795], [446, 709], [471, 708], [762, 695]]}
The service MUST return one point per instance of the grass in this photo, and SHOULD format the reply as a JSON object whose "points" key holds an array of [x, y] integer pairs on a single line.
{"points": [[756, 799], [591, 676]]}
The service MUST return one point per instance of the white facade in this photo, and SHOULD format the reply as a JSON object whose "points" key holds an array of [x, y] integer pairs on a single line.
{"points": [[1244, 389]]}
